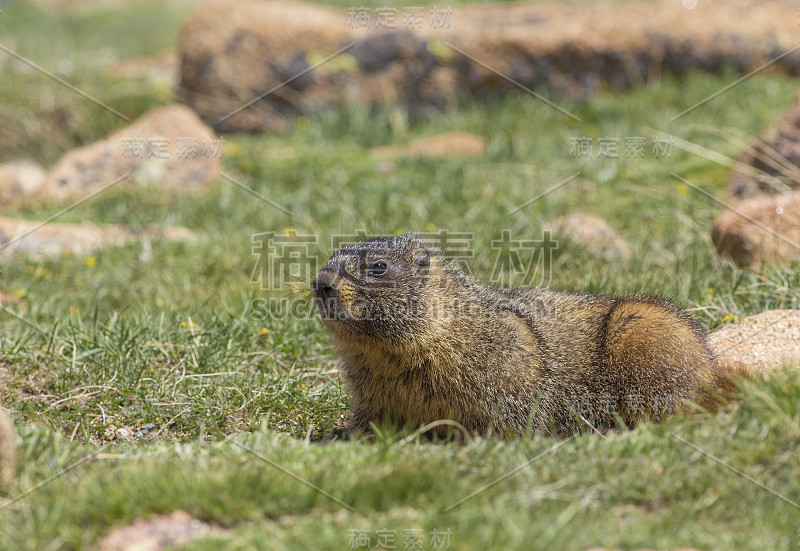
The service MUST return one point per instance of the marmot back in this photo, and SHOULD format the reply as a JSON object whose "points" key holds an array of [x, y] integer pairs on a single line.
{"points": [[419, 342]]}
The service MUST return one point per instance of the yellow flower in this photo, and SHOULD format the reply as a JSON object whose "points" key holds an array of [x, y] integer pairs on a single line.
{"points": [[232, 150], [710, 291], [38, 272], [682, 189], [342, 62], [188, 324], [441, 50], [730, 317], [263, 331], [19, 293], [163, 92], [90, 261]]}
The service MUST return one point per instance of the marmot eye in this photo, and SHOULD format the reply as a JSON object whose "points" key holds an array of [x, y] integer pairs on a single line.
{"points": [[378, 268]]}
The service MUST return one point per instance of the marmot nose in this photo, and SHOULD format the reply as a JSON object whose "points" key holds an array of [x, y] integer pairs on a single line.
{"points": [[325, 287]]}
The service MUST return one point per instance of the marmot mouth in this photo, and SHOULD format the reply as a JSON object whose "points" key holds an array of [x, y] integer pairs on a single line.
{"points": [[330, 310]]}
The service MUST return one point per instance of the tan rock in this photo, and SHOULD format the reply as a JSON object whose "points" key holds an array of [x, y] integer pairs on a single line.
{"points": [[763, 343], [591, 232], [771, 163], [168, 147], [40, 239], [8, 449], [5, 298], [451, 144], [760, 229], [157, 533], [123, 434], [18, 180], [90, 6]]}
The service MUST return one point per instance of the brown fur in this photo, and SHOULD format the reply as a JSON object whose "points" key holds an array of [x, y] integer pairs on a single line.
{"points": [[422, 342]]}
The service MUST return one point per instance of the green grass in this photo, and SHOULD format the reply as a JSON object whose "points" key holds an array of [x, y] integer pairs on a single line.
{"points": [[645, 488], [177, 336]]}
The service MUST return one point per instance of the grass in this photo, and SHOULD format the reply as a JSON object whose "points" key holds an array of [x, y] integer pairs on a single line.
{"points": [[178, 337], [645, 488]]}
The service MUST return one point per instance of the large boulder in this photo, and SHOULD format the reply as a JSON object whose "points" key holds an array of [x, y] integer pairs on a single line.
{"points": [[232, 54], [169, 147], [250, 65], [760, 229], [771, 163]]}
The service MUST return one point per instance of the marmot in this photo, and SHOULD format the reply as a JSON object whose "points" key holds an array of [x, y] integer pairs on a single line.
{"points": [[420, 341]]}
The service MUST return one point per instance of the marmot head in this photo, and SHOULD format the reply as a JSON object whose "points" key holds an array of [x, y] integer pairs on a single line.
{"points": [[376, 288]]}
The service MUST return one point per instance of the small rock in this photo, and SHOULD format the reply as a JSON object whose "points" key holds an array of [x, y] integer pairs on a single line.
{"points": [[169, 147], [8, 449], [143, 430], [386, 168], [760, 229], [123, 434], [762, 343], [451, 144], [591, 232], [5, 298], [40, 240], [157, 533], [19, 179]]}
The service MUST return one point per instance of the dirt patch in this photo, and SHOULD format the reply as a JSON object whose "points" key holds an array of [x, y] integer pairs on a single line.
{"points": [[49, 239]]}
